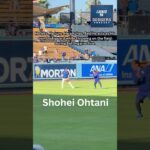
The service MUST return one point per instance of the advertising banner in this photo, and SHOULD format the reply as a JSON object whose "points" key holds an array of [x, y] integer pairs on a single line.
{"points": [[129, 50], [16, 63], [53, 71], [105, 70]]}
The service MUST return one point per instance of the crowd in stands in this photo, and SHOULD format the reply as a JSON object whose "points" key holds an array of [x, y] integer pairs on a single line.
{"points": [[12, 29], [14, 5], [57, 56], [15, 22], [50, 53]]}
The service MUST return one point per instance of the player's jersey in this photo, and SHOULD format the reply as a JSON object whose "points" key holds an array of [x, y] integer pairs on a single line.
{"points": [[142, 77], [65, 74], [96, 76]]}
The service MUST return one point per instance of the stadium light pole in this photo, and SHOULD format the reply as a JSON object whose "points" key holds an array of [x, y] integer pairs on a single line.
{"points": [[72, 13]]}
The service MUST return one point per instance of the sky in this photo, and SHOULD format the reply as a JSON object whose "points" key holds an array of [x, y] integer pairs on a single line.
{"points": [[80, 4]]}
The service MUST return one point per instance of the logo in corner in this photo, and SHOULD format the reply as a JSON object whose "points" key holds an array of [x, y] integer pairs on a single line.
{"points": [[102, 16]]}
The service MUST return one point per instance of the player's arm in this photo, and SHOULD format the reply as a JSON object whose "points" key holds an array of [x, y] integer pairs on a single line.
{"points": [[145, 63]]}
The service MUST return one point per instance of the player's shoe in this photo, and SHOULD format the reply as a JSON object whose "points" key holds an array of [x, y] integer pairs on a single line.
{"points": [[139, 116]]}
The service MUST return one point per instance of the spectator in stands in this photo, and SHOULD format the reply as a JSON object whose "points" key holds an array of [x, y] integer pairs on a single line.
{"points": [[86, 51], [11, 29], [93, 53], [35, 59], [81, 56], [63, 55], [44, 50]]}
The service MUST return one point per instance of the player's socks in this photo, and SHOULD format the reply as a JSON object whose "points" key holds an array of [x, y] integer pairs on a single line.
{"points": [[71, 85]]}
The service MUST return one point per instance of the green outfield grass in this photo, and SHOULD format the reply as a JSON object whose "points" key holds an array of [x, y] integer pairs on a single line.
{"points": [[132, 133], [89, 128], [75, 128], [16, 121], [82, 87]]}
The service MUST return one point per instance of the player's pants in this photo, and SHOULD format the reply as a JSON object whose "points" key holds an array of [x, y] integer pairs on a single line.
{"points": [[95, 83], [142, 95], [66, 79]]}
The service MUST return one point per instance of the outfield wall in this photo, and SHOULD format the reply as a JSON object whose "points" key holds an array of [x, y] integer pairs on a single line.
{"points": [[129, 50], [15, 63], [77, 70]]}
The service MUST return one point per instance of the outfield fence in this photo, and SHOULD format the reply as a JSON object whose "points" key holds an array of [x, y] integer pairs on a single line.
{"points": [[129, 50], [77, 70], [15, 63]]}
